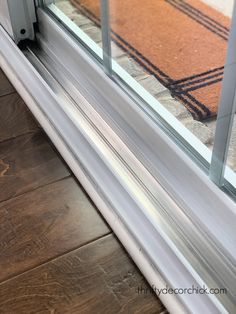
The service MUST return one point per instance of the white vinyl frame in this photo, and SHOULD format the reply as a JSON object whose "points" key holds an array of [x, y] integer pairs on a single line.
{"points": [[144, 184], [18, 18], [226, 111], [106, 38]]}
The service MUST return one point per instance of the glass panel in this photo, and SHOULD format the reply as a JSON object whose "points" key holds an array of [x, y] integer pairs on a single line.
{"points": [[225, 117], [176, 50], [173, 50]]}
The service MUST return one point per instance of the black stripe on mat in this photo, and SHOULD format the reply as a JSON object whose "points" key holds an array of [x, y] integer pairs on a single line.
{"points": [[197, 18], [190, 89], [196, 113], [139, 61], [165, 79], [192, 77], [192, 83], [191, 99], [195, 101], [185, 97], [203, 15], [176, 92]]}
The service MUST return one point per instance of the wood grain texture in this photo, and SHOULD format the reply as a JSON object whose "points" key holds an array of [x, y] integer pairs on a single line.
{"points": [[5, 86], [97, 278], [27, 162], [45, 223], [55, 252], [15, 118]]}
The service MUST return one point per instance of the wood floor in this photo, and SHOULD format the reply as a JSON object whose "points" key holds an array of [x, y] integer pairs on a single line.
{"points": [[57, 254]]}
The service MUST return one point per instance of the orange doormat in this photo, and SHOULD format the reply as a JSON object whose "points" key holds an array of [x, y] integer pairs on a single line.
{"points": [[181, 42]]}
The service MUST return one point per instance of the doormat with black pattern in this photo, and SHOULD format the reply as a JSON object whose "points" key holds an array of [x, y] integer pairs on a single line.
{"points": [[181, 42]]}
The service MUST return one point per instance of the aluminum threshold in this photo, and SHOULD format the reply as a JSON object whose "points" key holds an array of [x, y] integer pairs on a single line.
{"points": [[110, 172]]}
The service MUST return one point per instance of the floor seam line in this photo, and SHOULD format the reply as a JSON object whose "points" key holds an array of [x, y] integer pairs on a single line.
{"points": [[57, 257]]}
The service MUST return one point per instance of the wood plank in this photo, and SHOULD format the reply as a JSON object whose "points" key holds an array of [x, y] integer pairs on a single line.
{"points": [[97, 278], [5, 86], [15, 117], [45, 223], [27, 162]]}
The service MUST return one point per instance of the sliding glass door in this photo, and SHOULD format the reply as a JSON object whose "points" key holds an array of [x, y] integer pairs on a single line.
{"points": [[170, 56], [139, 98]]}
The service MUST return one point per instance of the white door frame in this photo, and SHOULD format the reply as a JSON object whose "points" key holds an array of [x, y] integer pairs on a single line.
{"points": [[18, 18]]}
